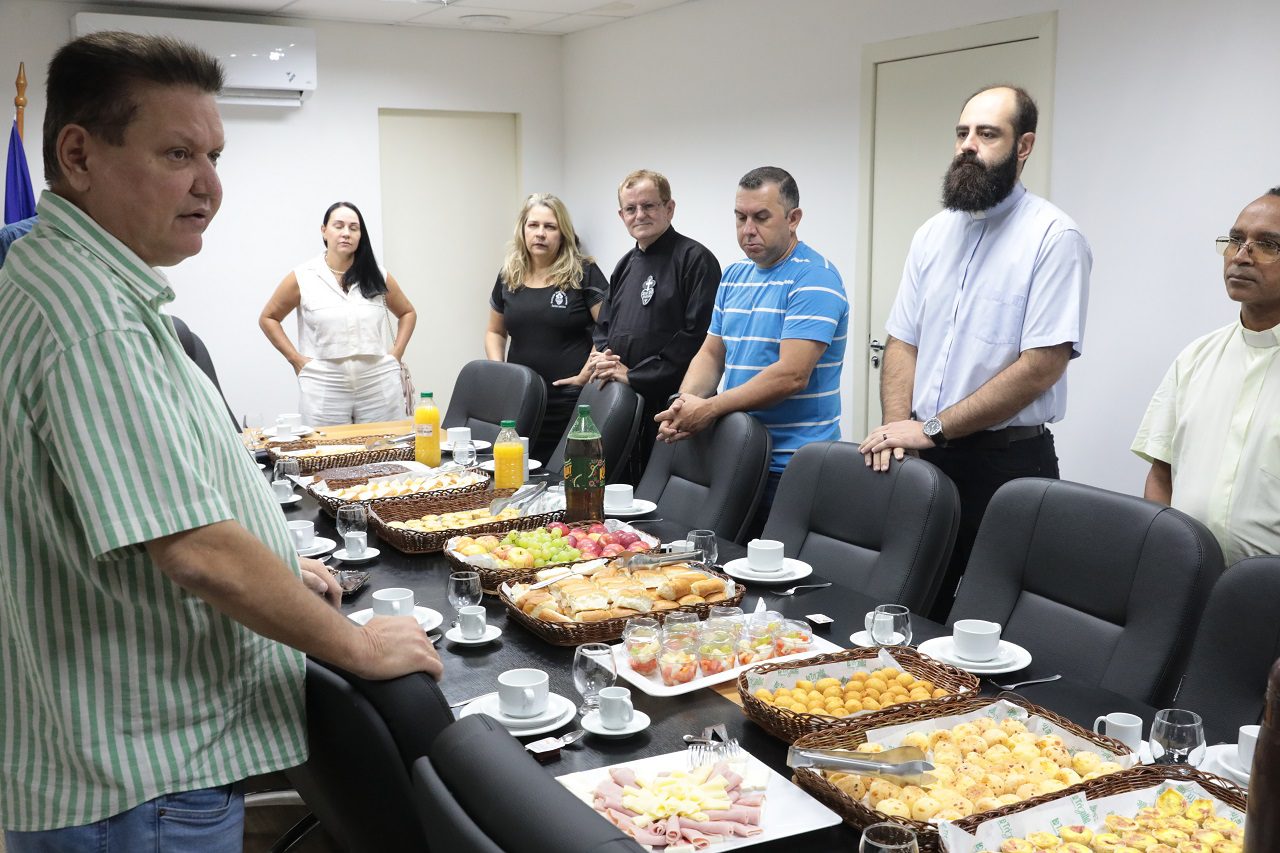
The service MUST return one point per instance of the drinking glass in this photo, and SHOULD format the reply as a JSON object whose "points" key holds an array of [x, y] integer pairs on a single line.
{"points": [[593, 671], [285, 469], [727, 618], [891, 625], [464, 453], [704, 541], [253, 423], [888, 838], [352, 518], [1177, 737], [464, 589]]}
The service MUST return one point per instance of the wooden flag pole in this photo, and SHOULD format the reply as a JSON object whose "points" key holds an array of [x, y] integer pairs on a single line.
{"points": [[20, 100]]}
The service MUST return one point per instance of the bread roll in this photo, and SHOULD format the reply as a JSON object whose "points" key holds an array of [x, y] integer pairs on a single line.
{"points": [[548, 612], [622, 613], [716, 597], [663, 604], [588, 598], [633, 599], [706, 586], [648, 578], [675, 588], [686, 600], [592, 615], [532, 599]]}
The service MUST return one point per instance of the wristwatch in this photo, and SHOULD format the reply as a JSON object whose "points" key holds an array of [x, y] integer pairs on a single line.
{"points": [[933, 432]]}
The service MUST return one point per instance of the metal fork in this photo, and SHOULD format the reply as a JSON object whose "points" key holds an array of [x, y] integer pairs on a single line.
{"points": [[793, 589], [1018, 684]]}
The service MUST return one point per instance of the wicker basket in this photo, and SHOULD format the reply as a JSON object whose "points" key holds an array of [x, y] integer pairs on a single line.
{"points": [[577, 633], [849, 735], [312, 464], [416, 506], [788, 725], [492, 579], [445, 500]]}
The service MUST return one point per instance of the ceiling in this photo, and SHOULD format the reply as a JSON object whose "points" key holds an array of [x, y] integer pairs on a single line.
{"points": [[544, 17]]}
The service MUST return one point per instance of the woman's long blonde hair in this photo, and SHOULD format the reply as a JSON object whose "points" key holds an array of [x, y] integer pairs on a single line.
{"points": [[566, 273]]}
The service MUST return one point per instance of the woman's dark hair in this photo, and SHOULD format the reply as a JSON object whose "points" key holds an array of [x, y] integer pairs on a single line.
{"points": [[364, 272]]}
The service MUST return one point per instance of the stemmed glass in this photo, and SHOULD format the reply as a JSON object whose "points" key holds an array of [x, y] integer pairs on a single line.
{"points": [[888, 838], [593, 671], [352, 524], [464, 591], [891, 625], [705, 541], [252, 435], [1177, 737]]}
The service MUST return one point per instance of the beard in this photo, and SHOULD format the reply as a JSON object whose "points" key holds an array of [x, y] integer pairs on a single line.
{"points": [[970, 185]]}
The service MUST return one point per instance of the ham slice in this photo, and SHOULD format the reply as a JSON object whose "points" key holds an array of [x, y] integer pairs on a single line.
{"points": [[753, 799], [732, 780], [738, 814], [650, 835], [623, 776], [721, 828], [692, 836]]}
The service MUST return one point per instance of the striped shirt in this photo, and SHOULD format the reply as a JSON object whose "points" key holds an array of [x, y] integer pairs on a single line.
{"points": [[799, 298], [117, 686]]}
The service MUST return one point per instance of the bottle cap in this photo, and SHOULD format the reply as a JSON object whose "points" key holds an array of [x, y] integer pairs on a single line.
{"points": [[508, 424], [426, 395], [584, 409]]}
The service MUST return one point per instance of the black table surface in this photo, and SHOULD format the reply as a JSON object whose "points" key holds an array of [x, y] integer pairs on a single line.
{"points": [[473, 670]]}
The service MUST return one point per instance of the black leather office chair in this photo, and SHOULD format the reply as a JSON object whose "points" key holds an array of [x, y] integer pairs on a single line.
{"points": [[616, 411], [886, 534], [199, 353], [1104, 587], [712, 481], [481, 792], [1235, 646], [364, 737], [489, 392]]}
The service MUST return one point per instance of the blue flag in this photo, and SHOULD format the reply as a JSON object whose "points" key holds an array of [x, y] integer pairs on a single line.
{"points": [[19, 200]]}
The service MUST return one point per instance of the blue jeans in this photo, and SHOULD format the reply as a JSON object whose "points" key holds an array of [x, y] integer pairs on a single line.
{"points": [[210, 820]]}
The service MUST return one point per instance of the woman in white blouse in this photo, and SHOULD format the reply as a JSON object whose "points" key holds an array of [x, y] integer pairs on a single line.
{"points": [[354, 323]]}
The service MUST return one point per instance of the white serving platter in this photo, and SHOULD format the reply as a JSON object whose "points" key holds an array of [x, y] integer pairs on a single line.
{"points": [[652, 684]]}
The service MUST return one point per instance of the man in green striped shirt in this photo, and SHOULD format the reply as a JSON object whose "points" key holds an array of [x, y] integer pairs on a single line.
{"points": [[152, 618]]}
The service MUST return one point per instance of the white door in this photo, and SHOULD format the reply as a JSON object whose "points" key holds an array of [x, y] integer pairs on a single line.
{"points": [[917, 98], [450, 195]]}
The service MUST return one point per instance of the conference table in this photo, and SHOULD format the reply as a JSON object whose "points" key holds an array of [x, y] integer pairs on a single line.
{"points": [[471, 671]]}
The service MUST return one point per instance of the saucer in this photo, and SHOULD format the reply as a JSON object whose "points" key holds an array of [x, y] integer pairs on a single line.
{"points": [[292, 499], [322, 545], [487, 465], [863, 639], [592, 723], [291, 435], [1223, 760], [427, 618], [559, 711], [491, 633], [369, 554], [447, 447], [792, 570], [1011, 657], [638, 507], [262, 466]]}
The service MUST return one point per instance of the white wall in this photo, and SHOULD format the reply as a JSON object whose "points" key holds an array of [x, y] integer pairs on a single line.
{"points": [[1162, 134], [283, 167]]}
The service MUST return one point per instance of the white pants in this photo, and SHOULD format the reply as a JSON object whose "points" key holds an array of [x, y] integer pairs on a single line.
{"points": [[353, 390]]}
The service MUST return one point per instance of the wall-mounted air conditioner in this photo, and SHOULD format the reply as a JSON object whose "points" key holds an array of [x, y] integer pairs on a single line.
{"points": [[266, 64]]}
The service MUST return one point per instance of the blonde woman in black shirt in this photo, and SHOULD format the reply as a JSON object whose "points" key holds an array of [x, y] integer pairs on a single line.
{"points": [[545, 302]]}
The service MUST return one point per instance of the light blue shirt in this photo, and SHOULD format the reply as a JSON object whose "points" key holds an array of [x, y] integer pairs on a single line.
{"points": [[799, 298], [979, 288]]}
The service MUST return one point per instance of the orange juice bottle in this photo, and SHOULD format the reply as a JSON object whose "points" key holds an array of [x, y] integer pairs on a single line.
{"points": [[426, 428], [508, 458]]}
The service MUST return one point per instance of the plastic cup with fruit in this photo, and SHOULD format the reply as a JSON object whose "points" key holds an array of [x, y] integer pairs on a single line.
{"points": [[714, 660], [643, 642], [755, 645], [680, 623], [678, 662], [793, 636]]}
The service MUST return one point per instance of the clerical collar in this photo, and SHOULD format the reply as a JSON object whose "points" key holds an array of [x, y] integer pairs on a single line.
{"points": [[1003, 206], [664, 240], [1266, 338]]}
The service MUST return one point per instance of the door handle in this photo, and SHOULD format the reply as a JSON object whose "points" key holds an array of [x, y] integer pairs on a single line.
{"points": [[876, 348]]}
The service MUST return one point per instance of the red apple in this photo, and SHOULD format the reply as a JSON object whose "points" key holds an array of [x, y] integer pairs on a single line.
{"points": [[597, 528], [638, 547], [612, 550]]}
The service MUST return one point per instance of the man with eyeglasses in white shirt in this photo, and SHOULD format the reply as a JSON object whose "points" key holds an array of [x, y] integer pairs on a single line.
{"points": [[1211, 430]]}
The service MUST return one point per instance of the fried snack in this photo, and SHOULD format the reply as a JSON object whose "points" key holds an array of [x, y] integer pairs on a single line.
{"points": [[865, 691]]}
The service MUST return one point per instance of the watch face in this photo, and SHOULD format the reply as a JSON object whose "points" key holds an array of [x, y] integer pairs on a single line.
{"points": [[932, 427]]}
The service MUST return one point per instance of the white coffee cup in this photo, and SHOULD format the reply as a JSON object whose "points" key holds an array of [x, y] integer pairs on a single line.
{"points": [[1245, 746], [764, 556], [976, 639], [618, 496], [522, 692], [290, 423], [616, 710], [282, 489], [678, 545], [471, 621], [524, 459], [1126, 728], [304, 534], [355, 543], [457, 434], [393, 601]]}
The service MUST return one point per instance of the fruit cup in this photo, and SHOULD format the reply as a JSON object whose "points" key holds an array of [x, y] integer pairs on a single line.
{"points": [[678, 662], [716, 650], [756, 644], [792, 637], [642, 640]]}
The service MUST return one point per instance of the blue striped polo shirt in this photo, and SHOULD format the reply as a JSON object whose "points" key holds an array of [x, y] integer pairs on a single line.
{"points": [[799, 298]]}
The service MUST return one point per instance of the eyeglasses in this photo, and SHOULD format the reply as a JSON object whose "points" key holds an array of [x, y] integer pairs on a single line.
{"points": [[1262, 251], [647, 208]]}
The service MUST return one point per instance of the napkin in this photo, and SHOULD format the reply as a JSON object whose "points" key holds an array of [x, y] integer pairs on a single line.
{"points": [[760, 608]]}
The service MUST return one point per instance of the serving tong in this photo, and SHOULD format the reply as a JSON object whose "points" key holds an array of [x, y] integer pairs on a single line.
{"points": [[517, 499], [384, 442], [904, 765], [712, 747]]}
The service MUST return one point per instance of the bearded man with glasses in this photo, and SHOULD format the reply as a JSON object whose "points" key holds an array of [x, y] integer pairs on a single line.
{"points": [[1210, 430]]}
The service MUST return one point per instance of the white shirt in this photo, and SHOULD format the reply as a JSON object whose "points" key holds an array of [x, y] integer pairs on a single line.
{"points": [[333, 324], [1216, 420], [979, 288]]}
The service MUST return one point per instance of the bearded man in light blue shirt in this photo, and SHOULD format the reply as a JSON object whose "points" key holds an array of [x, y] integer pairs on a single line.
{"points": [[990, 311]]}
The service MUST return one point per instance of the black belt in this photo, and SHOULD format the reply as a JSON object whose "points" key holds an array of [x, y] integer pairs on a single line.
{"points": [[997, 438]]}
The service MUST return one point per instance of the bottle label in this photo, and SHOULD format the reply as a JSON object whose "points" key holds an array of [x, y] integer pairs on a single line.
{"points": [[583, 472], [424, 430]]}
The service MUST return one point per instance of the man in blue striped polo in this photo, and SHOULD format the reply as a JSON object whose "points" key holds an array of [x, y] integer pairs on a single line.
{"points": [[777, 334], [153, 610]]}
